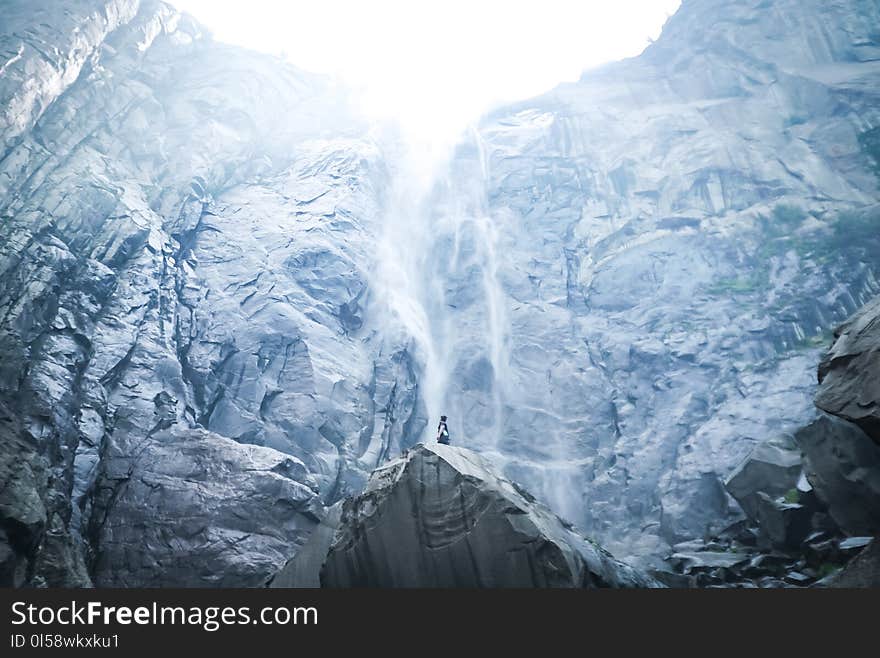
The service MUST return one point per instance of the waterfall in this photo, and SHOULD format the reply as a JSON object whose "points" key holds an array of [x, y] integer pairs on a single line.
{"points": [[439, 237], [402, 282], [488, 236]]}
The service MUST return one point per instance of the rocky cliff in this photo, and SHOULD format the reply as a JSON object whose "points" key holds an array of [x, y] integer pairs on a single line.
{"points": [[638, 270], [439, 516], [675, 236], [842, 456], [186, 366]]}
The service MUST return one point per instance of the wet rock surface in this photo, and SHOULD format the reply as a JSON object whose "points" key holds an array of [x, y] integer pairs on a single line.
{"points": [[731, 559], [843, 465], [304, 569], [772, 468], [811, 503], [863, 571], [199, 510]]}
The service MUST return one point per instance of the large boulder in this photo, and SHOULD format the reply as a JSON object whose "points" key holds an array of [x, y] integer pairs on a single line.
{"points": [[772, 467], [785, 525], [843, 465], [862, 571], [849, 374], [304, 569], [439, 516], [195, 509]]}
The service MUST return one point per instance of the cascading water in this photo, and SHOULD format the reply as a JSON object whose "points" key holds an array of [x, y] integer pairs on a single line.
{"points": [[485, 338], [402, 280], [439, 283], [438, 278]]}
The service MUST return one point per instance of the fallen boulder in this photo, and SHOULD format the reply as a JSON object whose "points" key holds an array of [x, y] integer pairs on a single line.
{"points": [[694, 561], [843, 466], [772, 467], [785, 525], [862, 571], [439, 516]]}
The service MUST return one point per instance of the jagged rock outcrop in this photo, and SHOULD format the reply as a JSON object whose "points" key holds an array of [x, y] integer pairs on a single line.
{"points": [[862, 571], [199, 510], [778, 500], [849, 374], [733, 559], [773, 468], [842, 455], [804, 496], [28, 527], [785, 524], [843, 465], [439, 516]]}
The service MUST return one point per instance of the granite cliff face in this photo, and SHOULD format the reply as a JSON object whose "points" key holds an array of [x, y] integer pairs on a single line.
{"points": [[186, 366], [674, 237], [637, 272]]}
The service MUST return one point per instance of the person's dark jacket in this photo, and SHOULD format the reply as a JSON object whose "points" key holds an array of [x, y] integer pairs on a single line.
{"points": [[443, 433]]}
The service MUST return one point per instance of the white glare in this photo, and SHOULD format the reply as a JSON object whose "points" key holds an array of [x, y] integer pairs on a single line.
{"points": [[435, 66]]}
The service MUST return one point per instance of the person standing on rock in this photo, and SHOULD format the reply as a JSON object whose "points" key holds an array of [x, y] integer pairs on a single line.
{"points": [[443, 432]]}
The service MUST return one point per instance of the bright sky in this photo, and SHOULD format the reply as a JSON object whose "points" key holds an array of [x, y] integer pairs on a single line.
{"points": [[436, 65]]}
